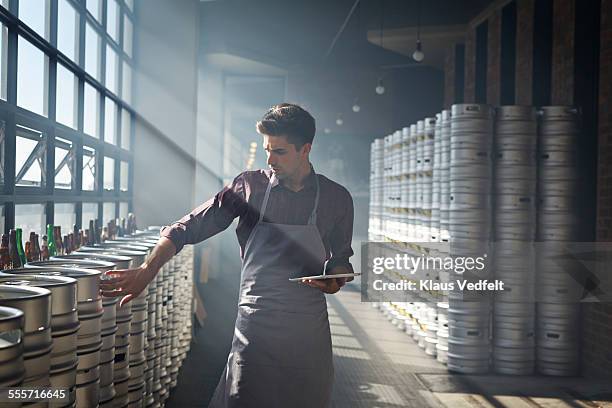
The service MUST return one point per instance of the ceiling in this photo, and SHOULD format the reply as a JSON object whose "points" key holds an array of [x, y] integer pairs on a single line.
{"points": [[296, 35]]}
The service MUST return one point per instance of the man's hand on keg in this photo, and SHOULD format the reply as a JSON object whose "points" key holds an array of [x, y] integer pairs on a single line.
{"points": [[127, 283]]}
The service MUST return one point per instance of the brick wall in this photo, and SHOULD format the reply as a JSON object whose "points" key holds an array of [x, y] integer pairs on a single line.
{"points": [[524, 52], [597, 328], [449, 77], [563, 52], [470, 66], [494, 58]]}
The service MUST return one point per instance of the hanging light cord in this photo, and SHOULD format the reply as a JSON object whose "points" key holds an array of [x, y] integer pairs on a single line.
{"points": [[418, 20]]}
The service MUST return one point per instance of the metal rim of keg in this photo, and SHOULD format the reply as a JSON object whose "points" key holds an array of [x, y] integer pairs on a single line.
{"points": [[88, 282], [87, 394], [509, 156], [137, 257], [63, 298], [461, 110], [516, 112], [35, 302], [468, 186], [135, 240], [11, 354], [65, 379], [468, 201], [107, 387], [566, 174], [518, 354], [122, 262], [121, 245], [101, 266]]}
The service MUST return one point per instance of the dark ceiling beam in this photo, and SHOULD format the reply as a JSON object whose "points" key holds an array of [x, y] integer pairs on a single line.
{"points": [[342, 27]]}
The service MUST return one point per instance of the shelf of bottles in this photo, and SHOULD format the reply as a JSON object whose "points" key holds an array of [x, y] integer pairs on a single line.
{"points": [[136, 350], [477, 180]]}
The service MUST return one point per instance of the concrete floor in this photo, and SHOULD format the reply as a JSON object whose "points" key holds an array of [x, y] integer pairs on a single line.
{"points": [[377, 366]]}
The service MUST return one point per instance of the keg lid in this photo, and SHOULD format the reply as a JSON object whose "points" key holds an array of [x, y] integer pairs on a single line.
{"points": [[132, 242], [125, 245], [111, 251], [10, 318], [74, 263], [39, 281], [9, 292], [57, 271], [94, 257]]}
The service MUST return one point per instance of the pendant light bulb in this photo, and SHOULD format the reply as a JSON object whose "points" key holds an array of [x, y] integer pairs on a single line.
{"points": [[356, 107], [418, 55], [339, 121], [380, 89]]}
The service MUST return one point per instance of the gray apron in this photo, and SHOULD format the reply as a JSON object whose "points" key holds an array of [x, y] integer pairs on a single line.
{"points": [[281, 354]]}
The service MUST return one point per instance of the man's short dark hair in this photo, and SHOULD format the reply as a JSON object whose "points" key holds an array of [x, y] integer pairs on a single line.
{"points": [[289, 120]]}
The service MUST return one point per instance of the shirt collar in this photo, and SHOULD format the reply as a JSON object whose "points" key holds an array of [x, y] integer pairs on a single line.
{"points": [[309, 182]]}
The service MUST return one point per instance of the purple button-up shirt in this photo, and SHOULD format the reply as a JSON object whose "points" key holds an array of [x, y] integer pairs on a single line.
{"points": [[243, 198]]}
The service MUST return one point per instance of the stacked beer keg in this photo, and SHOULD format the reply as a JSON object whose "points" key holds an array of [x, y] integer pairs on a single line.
{"points": [[429, 125], [471, 144], [12, 369], [376, 189], [105, 355], [412, 183], [514, 233], [64, 326], [558, 223], [420, 217], [445, 132], [404, 183], [35, 303], [89, 339], [436, 180]]}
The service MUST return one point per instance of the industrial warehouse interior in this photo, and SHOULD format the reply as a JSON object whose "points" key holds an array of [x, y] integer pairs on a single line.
{"points": [[172, 234]]}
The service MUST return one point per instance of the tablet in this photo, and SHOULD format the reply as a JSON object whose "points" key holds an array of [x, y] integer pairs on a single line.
{"points": [[321, 277]]}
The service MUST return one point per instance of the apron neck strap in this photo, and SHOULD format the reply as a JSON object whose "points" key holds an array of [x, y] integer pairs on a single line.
{"points": [[312, 220]]}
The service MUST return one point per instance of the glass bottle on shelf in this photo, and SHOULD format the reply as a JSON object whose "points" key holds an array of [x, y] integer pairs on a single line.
{"points": [[44, 251], [5, 258], [59, 246], [91, 233], [28, 251], [13, 253], [20, 251], [36, 246], [51, 248]]}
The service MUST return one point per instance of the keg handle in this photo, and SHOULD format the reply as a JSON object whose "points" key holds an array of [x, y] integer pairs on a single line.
{"points": [[10, 337]]}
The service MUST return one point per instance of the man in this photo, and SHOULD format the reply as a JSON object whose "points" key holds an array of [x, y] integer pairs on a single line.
{"points": [[291, 221]]}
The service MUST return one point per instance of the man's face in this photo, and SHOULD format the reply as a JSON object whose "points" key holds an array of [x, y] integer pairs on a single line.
{"points": [[283, 158]]}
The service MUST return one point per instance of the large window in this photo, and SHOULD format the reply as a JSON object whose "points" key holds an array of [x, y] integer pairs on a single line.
{"points": [[35, 13], [32, 74], [65, 121], [3, 60], [91, 116], [66, 97], [30, 217], [67, 34], [92, 51]]}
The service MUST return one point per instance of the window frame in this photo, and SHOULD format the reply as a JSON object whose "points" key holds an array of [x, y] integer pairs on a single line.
{"points": [[13, 115]]}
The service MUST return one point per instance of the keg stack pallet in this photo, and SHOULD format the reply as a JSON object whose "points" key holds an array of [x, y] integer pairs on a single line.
{"points": [[70, 337], [501, 182]]}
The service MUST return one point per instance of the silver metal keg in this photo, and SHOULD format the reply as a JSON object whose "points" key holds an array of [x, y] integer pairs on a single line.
{"points": [[37, 341], [64, 326]]}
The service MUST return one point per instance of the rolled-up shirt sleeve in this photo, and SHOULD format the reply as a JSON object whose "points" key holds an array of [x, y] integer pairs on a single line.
{"points": [[342, 235], [210, 218]]}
